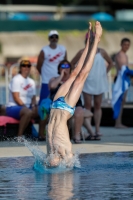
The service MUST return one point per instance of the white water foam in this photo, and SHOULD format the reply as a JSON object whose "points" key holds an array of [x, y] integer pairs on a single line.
{"points": [[42, 160]]}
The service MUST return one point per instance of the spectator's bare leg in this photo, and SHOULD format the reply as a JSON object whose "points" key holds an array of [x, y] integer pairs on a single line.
{"points": [[42, 126], [118, 122], [97, 113], [87, 104], [34, 112], [87, 122], [25, 117], [78, 121], [87, 100]]}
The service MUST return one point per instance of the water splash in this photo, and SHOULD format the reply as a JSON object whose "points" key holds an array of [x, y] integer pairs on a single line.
{"points": [[42, 160]]}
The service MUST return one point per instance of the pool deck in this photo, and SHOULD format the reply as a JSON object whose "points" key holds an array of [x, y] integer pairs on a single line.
{"points": [[113, 140]]}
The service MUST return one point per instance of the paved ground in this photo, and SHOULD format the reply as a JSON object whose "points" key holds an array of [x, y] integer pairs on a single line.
{"points": [[113, 140]]}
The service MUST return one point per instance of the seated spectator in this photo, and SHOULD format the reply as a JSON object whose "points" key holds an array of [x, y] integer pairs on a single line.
{"points": [[81, 115], [22, 97]]}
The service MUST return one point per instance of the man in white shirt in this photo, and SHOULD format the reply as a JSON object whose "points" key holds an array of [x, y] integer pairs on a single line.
{"points": [[26, 88], [49, 58], [22, 97]]}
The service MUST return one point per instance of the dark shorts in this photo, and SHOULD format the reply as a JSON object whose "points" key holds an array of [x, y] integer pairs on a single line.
{"points": [[14, 111], [44, 92], [115, 78], [79, 103]]}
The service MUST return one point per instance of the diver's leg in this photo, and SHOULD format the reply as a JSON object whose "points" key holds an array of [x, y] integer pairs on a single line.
{"points": [[64, 88], [76, 89]]}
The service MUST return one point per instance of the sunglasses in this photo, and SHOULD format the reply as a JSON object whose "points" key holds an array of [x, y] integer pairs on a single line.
{"points": [[54, 36], [26, 66], [65, 66]]}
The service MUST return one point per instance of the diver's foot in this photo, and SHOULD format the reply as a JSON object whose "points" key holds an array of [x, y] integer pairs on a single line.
{"points": [[120, 126]]}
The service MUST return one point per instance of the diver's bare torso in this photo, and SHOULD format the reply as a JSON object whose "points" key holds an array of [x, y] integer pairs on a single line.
{"points": [[57, 133]]}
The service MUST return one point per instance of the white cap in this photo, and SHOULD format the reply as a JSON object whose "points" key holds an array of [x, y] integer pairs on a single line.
{"points": [[53, 32]]}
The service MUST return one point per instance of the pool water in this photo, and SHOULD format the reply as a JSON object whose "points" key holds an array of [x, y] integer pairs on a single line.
{"points": [[102, 176]]}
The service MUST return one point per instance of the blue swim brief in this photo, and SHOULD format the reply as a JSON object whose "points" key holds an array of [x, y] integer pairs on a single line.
{"points": [[14, 111], [44, 92], [61, 104]]}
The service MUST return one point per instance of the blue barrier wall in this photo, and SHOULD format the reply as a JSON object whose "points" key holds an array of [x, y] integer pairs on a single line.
{"points": [[62, 25]]}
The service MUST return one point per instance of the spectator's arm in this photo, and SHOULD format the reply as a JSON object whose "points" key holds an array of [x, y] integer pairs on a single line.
{"points": [[34, 107], [107, 58], [54, 82], [17, 99], [76, 58], [33, 101], [40, 61], [65, 58]]}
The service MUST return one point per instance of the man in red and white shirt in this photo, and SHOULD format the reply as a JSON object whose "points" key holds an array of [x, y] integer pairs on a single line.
{"points": [[22, 97], [49, 58]]}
